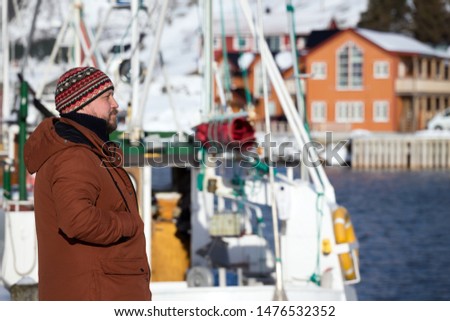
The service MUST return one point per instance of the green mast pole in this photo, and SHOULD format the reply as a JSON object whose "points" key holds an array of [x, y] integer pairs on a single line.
{"points": [[295, 57], [23, 113]]}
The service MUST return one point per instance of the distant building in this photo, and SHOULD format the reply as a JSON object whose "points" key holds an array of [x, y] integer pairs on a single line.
{"points": [[383, 82], [355, 79]]}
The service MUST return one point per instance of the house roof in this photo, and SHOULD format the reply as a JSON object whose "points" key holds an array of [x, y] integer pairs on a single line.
{"points": [[399, 43], [318, 36], [389, 41]]}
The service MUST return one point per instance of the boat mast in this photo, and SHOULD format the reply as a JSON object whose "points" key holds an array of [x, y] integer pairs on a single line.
{"points": [[5, 49], [135, 67], [23, 113], [208, 54], [279, 294]]}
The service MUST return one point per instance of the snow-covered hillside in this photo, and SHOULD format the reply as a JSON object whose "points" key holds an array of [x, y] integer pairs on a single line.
{"points": [[184, 21], [180, 44]]}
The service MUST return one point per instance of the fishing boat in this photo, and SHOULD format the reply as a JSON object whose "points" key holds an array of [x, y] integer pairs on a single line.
{"points": [[230, 225]]}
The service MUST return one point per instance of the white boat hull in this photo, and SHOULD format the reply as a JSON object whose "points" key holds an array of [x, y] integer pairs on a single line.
{"points": [[20, 254], [179, 291]]}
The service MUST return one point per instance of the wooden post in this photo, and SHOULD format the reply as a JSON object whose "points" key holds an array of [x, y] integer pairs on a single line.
{"points": [[388, 154], [355, 156], [369, 146], [412, 154], [444, 153], [448, 153], [399, 155], [416, 109], [379, 153], [441, 103]]}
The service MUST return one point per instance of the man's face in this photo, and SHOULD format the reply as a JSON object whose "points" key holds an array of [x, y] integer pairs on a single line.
{"points": [[104, 107]]}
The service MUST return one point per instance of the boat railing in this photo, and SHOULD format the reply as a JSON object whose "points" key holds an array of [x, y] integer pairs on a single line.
{"points": [[18, 205]]}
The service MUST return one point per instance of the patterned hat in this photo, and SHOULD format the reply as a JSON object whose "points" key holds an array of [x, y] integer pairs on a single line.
{"points": [[78, 87]]}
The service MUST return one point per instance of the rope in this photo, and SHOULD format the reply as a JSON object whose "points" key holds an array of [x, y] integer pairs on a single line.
{"points": [[315, 277], [213, 134], [300, 96], [122, 40]]}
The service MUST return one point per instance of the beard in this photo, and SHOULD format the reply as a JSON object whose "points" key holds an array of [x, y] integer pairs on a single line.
{"points": [[111, 123]]}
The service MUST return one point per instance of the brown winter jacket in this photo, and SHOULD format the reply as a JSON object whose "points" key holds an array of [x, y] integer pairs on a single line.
{"points": [[91, 242]]}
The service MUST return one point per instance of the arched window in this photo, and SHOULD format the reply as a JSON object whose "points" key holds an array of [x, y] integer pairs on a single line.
{"points": [[350, 67]]}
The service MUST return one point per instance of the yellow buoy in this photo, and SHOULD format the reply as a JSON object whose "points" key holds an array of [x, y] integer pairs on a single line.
{"points": [[344, 233]]}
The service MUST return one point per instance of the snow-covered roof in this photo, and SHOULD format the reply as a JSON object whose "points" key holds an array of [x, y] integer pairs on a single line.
{"points": [[309, 16], [400, 43]]}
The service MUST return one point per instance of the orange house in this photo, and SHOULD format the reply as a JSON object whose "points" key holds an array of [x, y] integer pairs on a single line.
{"points": [[381, 82]]}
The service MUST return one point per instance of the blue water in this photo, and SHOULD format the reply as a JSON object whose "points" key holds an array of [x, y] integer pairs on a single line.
{"points": [[402, 221]]}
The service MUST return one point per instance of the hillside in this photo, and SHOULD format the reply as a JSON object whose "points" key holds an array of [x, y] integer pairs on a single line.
{"points": [[180, 45]]}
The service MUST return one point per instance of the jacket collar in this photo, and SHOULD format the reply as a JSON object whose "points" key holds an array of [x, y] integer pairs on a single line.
{"points": [[94, 124]]}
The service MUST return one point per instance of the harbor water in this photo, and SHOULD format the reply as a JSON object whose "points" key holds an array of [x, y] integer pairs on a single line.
{"points": [[402, 221]]}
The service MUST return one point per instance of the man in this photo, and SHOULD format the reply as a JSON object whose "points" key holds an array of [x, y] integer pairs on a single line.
{"points": [[91, 242]]}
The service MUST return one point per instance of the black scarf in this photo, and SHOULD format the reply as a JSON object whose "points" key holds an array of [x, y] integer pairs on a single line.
{"points": [[95, 124]]}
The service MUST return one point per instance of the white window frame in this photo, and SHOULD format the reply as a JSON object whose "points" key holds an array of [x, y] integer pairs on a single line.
{"points": [[319, 70], [381, 69], [351, 64], [300, 43], [349, 111], [381, 111], [318, 111]]}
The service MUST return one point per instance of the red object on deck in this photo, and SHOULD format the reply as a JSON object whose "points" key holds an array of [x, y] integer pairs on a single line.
{"points": [[226, 134]]}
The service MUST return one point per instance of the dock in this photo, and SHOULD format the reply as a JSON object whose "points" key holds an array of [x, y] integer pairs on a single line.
{"points": [[410, 151], [401, 151]]}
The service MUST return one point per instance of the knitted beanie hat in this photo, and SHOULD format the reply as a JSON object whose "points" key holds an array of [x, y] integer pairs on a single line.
{"points": [[78, 87]]}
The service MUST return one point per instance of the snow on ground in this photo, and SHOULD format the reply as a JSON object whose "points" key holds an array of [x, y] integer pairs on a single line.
{"points": [[433, 133]]}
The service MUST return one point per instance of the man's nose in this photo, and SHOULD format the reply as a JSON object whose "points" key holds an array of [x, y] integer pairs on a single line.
{"points": [[114, 103]]}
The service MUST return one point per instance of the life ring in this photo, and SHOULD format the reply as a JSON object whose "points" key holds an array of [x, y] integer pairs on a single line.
{"points": [[344, 233]]}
